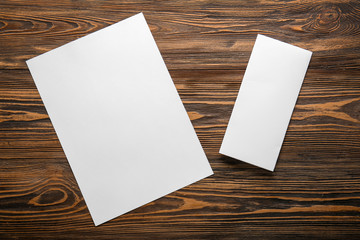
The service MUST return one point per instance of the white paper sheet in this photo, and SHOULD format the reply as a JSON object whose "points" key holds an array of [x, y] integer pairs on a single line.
{"points": [[265, 102], [119, 118]]}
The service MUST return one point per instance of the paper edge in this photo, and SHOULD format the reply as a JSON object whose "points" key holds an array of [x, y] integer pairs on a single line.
{"points": [[90, 34], [177, 189]]}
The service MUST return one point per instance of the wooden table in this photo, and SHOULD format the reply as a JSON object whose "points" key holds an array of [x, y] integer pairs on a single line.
{"points": [[314, 192]]}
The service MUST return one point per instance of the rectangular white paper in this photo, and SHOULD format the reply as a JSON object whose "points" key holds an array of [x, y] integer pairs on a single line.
{"points": [[265, 102], [119, 118]]}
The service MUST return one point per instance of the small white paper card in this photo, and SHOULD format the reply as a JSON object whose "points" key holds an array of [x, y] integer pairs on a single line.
{"points": [[119, 118], [265, 102]]}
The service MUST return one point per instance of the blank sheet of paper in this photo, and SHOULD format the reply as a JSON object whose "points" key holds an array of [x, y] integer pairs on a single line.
{"points": [[265, 102], [119, 118]]}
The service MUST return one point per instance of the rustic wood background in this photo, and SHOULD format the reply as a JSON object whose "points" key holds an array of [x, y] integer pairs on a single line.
{"points": [[314, 192]]}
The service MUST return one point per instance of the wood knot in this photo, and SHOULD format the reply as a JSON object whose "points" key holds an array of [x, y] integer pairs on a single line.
{"points": [[50, 196], [325, 19], [328, 16]]}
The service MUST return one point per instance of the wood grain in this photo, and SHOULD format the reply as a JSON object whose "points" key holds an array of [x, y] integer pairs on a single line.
{"points": [[314, 192]]}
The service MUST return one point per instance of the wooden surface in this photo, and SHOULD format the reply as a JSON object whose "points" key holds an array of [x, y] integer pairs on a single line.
{"points": [[314, 192]]}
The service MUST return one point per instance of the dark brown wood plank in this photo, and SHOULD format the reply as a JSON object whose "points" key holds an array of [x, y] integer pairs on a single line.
{"points": [[214, 29], [314, 192]]}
